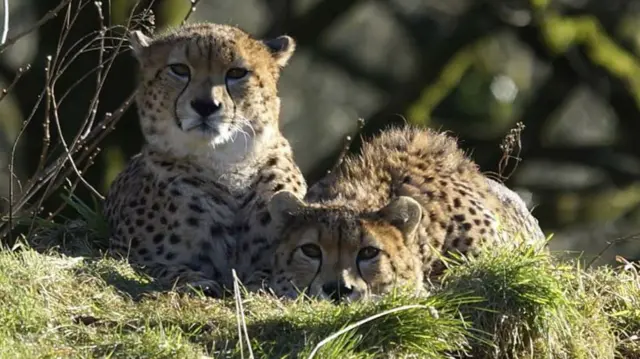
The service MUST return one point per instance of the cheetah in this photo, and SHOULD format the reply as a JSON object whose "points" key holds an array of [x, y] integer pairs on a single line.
{"points": [[192, 205], [391, 216]]}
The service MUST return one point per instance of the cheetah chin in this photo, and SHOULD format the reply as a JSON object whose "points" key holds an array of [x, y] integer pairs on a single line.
{"points": [[208, 126]]}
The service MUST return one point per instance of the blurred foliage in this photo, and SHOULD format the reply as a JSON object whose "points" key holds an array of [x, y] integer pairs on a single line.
{"points": [[475, 67]]}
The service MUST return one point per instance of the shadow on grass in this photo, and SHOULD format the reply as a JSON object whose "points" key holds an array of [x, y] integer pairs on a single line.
{"points": [[269, 339], [133, 287], [277, 338], [123, 278], [392, 326], [77, 239], [72, 239]]}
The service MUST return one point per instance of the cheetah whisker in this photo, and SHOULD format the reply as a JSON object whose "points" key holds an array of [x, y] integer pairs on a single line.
{"points": [[244, 122]]}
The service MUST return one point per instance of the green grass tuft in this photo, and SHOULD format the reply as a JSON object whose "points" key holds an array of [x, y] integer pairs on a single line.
{"points": [[616, 293], [529, 307]]}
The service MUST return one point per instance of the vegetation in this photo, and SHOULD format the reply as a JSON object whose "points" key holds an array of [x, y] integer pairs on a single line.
{"points": [[73, 301]]}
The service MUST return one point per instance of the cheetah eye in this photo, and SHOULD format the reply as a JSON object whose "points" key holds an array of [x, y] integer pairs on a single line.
{"points": [[311, 251], [236, 73], [367, 253], [180, 70]]}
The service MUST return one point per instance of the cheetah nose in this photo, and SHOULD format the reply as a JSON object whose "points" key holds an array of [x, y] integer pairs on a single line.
{"points": [[205, 107], [337, 290]]}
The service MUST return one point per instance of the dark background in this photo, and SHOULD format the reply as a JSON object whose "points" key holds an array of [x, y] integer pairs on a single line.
{"points": [[568, 70]]}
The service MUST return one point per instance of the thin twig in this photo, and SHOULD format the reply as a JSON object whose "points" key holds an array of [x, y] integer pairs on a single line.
{"points": [[51, 171], [70, 20], [95, 137], [53, 68], [99, 81], [21, 72], [510, 144], [25, 123], [68, 152], [49, 15], [610, 244], [194, 3], [345, 149], [46, 124], [5, 22], [14, 147], [72, 87], [73, 185]]}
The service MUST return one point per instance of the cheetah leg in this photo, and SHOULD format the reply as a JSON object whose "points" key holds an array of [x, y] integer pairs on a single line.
{"points": [[184, 279]]}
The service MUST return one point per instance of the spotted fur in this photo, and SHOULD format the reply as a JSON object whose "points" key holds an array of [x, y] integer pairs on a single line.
{"points": [[390, 216], [192, 205]]}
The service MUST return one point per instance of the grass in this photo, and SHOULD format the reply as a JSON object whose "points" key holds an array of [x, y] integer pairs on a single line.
{"points": [[70, 302], [59, 306]]}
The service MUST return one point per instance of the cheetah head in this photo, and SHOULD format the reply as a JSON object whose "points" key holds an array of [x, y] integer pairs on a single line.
{"points": [[207, 87], [335, 253]]}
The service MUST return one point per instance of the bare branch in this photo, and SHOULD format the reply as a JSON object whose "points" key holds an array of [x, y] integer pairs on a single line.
{"points": [[50, 15], [21, 72], [80, 151], [194, 3], [68, 151]]}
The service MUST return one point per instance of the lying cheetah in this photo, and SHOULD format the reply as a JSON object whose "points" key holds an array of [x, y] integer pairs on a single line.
{"points": [[388, 216], [192, 205]]}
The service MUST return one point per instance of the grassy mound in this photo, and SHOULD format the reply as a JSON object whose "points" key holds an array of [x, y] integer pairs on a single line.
{"points": [[65, 307], [531, 307], [73, 302], [501, 306]]}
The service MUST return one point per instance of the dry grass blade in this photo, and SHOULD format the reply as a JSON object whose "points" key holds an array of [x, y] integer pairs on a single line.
{"points": [[240, 318]]}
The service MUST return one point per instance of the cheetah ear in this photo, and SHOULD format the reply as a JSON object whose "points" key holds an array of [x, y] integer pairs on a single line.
{"points": [[283, 204], [282, 47], [139, 42], [404, 213]]}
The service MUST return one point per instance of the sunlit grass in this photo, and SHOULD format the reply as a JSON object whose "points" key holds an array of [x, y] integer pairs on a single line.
{"points": [[505, 304]]}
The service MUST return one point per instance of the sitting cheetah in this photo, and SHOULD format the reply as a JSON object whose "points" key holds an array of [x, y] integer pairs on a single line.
{"points": [[192, 205], [389, 216]]}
